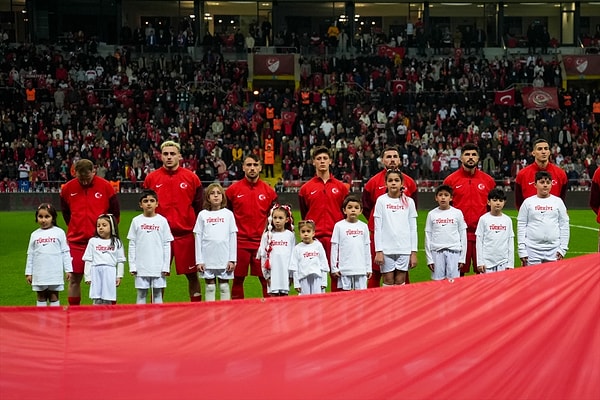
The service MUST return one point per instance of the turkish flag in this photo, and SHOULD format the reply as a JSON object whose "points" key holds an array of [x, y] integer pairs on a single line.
{"points": [[288, 117], [539, 98], [399, 86], [505, 97]]}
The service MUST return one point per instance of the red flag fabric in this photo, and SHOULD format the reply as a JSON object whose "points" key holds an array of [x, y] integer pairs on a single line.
{"points": [[505, 97], [389, 51], [540, 98], [288, 117], [530, 333], [399, 86]]}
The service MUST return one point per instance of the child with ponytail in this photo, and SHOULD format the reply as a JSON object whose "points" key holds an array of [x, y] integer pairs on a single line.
{"points": [[276, 245]]}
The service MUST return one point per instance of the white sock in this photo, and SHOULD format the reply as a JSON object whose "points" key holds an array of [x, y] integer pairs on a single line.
{"points": [[211, 290], [157, 296], [55, 303], [141, 296], [225, 291], [41, 303]]}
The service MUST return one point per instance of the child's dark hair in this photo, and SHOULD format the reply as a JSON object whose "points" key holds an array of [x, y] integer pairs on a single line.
{"points": [[351, 198], [497, 194], [444, 188], [308, 222], [148, 193], [51, 210], [287, 209], [542, 175], [115, 240], [394, 171]]}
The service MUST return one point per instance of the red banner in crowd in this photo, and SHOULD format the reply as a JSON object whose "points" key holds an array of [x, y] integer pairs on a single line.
{"points": [[505, 97], [390, 52], [288, 117], [540, 98], [582, 65], [273, 64], [399, 86], [531, 333]]}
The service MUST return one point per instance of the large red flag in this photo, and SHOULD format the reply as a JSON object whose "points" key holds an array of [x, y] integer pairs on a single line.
{"points": [[539, 98], [505, 97]]}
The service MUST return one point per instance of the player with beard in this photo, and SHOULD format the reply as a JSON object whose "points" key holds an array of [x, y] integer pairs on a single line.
{"points": [[250, 200], [374, 188], [470, 191]]}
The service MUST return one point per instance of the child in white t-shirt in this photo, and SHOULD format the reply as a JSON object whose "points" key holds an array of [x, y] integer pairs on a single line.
{"points": [[104, 258], [351, 248], [309, 261], [495, 244], [275, 250], [396, 241], [542, 225], [216, 242], [445, 237], [149, 249], [48, 255]]}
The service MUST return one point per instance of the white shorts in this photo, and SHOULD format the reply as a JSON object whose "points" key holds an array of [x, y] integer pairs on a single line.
{"points": [[51, 288], [535, 256], [216, 273], [497, 268], [312, 284], [146, 282], [395, 262], [352, 282], [445, 265]]}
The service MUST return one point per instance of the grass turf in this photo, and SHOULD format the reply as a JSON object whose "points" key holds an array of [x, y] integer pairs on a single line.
{"points": [[17, 226]]}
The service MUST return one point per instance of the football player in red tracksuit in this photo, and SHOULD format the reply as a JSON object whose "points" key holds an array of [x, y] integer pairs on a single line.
{"points": [[595, 198], [250, 200], [180, 199], [82, 200], [471, 187], [374, 188], [525, 180], [321, 200]]}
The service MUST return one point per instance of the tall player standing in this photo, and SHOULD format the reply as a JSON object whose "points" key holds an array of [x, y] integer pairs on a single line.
{"points": [[374, 188], [525, 180], [181, 197], [251, 200], [321, 200], [82, 200], [470, 191]]}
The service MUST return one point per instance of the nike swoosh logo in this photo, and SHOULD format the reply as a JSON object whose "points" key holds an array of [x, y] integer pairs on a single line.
{"points": [[73, 194], [314, 191], [381, 187], [192, 267], [159, 185], [458, 186], [240, 195]]}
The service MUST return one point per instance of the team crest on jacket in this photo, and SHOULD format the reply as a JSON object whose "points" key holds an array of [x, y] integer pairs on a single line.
{"points": [[481, 186], [262, 197], [335, 191], [183, 185], [98, 195]]}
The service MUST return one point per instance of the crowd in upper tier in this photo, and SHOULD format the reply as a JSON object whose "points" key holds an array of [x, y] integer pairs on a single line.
{"points": [[58, 107]]}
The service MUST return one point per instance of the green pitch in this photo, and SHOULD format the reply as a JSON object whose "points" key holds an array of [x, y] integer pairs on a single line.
{"points": [[17, 226]]}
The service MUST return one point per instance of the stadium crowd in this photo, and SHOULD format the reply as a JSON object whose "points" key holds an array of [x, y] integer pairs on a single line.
{"points": [[61, 106]]}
